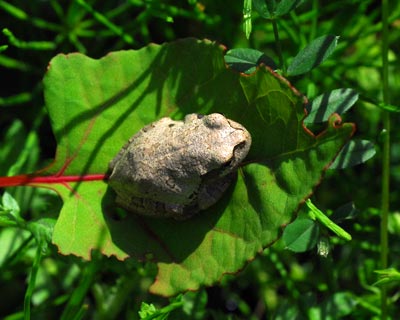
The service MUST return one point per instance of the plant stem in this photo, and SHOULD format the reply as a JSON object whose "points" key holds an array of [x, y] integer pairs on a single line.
{"points": [[32, 280], [385, 153], [76, 306], [36, 180], [247, 18], [110, 308], [278, 45], [317, 214]]}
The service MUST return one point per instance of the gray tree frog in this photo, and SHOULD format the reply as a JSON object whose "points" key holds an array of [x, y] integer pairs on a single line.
{"points": [[178, 168]]}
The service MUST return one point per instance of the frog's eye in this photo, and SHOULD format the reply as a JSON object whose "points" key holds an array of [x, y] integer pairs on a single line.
{"points": [[215, 121]]}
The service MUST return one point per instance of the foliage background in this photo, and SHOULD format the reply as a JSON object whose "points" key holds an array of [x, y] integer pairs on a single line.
{"points": [[279, 283]]}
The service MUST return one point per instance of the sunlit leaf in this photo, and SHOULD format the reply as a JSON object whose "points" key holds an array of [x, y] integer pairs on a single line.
{"points": [[336, 101], [312, 55], [95, 106], [387, 276], [354, 153]]}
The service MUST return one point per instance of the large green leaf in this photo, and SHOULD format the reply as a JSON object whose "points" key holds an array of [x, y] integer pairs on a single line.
{"points": [[95, 106]]}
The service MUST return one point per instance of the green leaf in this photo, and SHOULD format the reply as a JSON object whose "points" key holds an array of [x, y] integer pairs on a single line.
{"points": [[387, 276], [147, 310], [31, 45], [389, 107], [19, 98], [247, 24], [195, 304], [273, 9], [10, 212], [10, 204], [246, 60], [354, 153], [95, 106], [261, 7], [42, 229], [312, 55], [10, 150], [315, 214], [7, 219], [344, 212], [301, 235], [336, 101], [150, 312], [336, 306], [285, 6], [104, 20], [13, 11]]}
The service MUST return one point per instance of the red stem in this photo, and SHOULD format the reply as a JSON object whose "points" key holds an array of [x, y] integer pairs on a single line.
{"points": [[26, 179]]}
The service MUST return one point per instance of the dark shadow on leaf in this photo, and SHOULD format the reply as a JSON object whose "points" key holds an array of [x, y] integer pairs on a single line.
{"points": [[255, 195], [249, 67], [163, 67], [353, 153], [324, 48], [327, 105], [167, 240]]}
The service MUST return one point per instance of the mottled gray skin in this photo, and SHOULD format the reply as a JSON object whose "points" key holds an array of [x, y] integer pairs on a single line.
{"points": [[178, 168]]}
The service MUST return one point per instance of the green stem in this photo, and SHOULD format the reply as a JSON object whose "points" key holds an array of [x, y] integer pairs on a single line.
{"points": [[32, 280], [76, 306], [317, 214], [385, 153], [110, 308], [278, 45], [314, 22], [247, 17]]}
